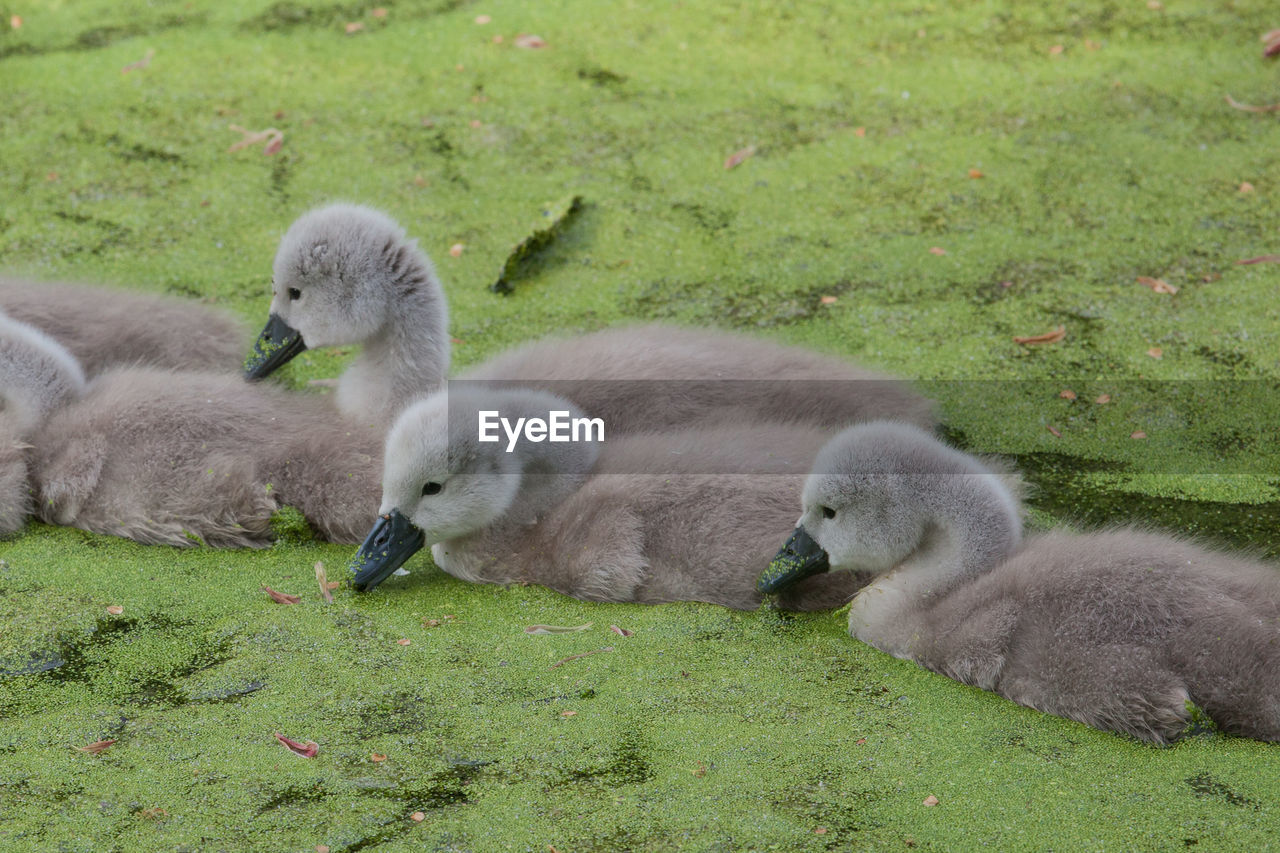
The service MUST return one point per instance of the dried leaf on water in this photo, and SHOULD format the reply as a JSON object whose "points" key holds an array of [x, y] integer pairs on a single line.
{"points": [[324, 583], [1054, 430], [1103, 399], [418, 817], [274, 139], [281, 597], [98, 746], [529, 41], [1156, 352], [739, 156], [1271, 43], [1261, 259], [1047, 338], [1158, 285], [621, 632], [306, 750], [574, 657], [1067, 394], [115, 609], [555, 629], [937, 250], [931, 800], [377, 757]]}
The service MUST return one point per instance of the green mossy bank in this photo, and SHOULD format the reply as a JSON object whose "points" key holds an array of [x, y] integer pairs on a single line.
{"points": [[1106, 152]]}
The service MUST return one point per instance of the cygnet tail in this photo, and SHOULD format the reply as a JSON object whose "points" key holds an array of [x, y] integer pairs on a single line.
{"points": [[1233, 664]]}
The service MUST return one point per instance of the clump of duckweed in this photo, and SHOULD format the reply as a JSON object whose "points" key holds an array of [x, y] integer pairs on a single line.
{"points": [[289, 525]]}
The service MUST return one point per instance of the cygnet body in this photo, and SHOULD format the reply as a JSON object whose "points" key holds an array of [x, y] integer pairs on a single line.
{"points": [[657, 377], [1116, 629], [348, 275], [181, 458], [110, 327], [643, 518], [37, 375]]}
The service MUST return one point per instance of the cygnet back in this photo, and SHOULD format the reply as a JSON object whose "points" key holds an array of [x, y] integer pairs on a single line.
{"points": [[106, 327]]}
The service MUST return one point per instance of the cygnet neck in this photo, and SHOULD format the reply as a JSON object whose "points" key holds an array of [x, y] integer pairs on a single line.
{"points": [[409, 357], [974, 525]]}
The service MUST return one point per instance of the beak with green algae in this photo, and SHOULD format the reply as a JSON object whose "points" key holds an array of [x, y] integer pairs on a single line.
{"points": [[800, 557], [392, 541], [276, 345]]}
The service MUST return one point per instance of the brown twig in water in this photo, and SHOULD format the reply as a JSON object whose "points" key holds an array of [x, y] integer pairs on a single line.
{"points": [[1250, 108], [140, 64], [583, 655]]}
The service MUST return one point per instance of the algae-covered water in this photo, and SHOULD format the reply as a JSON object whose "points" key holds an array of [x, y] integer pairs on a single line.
{"points": [[926, 182]]}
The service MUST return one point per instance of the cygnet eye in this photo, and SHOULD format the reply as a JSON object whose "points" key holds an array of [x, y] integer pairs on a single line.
{"points": [[432, 489], [294, 293], [828, 512]]}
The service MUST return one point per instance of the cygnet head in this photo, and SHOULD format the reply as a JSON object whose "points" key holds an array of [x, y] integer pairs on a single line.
{"points": [[877, 492], [342, 275], [440, 481], [440, 476]]}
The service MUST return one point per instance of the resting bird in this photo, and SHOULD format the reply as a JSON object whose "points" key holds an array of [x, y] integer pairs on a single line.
{"points": [[37, 375], [174, 457], [1117, 629], [348, 275], [645, 518], [106, 327]]}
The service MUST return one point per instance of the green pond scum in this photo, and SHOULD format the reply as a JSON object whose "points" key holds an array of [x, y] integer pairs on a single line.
{"points": [[930, 181]]}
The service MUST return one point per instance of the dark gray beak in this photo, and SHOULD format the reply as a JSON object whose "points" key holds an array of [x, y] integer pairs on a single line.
{"points": [[799, 558], [278, 343], [391, 542]]}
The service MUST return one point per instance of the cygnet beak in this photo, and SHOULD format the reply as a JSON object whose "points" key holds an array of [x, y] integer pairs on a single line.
{"points": [[799, 558], [391, 542], [278, 343]]}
